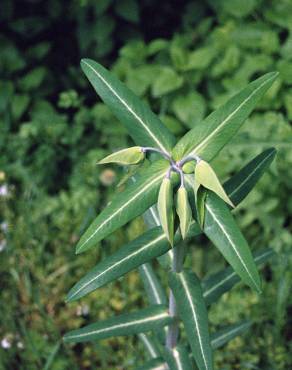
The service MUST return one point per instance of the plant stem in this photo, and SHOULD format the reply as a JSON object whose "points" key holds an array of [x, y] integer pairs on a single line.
{"points": [[177, 265]]}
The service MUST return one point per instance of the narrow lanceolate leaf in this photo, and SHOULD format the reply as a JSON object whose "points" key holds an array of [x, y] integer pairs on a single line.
{"points": [[178, 358], [142, 124], [239, 185], [200, 205], [151, 345], [154, 364], [206, 176], [145, 320], [151, 244], [127, 156], [184, 211], [229, 332], [208, 137], [152, 285], [165, 208], [125, 206], [217, 284], [222, 230], [192, 310]]}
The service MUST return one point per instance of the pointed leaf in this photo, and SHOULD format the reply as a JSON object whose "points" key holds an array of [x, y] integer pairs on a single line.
{"points": [[227, 333], [183, 210], [151, 244], [177, 358], [142, 124], [223, 231], [141, 321], [154, 364], [150, 344], [208, 137], [217, 284], [192, 310], [165, 208], [125, 206], [206, 176], [127, 156]]}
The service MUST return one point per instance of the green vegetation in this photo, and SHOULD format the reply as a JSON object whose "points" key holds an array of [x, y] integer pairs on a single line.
{"points": [[54, 130]]}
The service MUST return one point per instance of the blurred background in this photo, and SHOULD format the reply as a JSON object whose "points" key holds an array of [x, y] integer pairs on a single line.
{"points": [[184, 58]]}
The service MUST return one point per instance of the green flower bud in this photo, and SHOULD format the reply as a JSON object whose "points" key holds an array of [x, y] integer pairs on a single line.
{"points": [[165, 209], [183, 210], [127, 156]]}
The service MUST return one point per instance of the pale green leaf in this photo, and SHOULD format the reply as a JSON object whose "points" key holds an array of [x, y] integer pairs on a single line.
{"points": [[142, 124], [127, 156], [183, 210], [145, 320], [165, 208]]}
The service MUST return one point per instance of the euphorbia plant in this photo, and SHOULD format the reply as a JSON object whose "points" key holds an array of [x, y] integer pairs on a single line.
{"points": [[181, 197]]}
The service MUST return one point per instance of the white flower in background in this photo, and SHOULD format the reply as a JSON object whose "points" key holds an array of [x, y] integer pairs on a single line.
{"points": [[2, 245], [5, 343], [4, 191], [82, 310], [20, 345], [4, 226]]}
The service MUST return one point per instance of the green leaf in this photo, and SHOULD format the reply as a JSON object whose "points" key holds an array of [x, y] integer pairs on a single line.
{"points": [[167, 80], [128, 9], [177, 358], [217, 284], [127, 156], [183, 210], [154, 364], [223, 231], [206, 176], [124, 206], [150, 344], [227, 333], [165, 208], [142, 124], [152, 285], [141, 321], [200, 205], [208, 137], [192, 310], [239, 185], [151, 244]]}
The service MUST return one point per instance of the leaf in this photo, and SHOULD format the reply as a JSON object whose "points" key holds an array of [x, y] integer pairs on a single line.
{"points": [[192, 310], [206, 176], [127, 156], [154, 364], [152, 285], [141, 321], [208, 137], [200, 205], [165, 208], [150, 345], [124, 206], [167, 80], [183, 210], [222, 230], [151, 244], [142, 124], [239, 185], [227, 333], [177, 358], [217, 284]]}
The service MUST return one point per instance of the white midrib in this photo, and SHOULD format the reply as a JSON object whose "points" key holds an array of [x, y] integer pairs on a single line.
{"points": [[118, 263], [177, 359], [231, 243], [118, 326], [148, 344], [195, 317], [227, 334], [121, 208], [139, 119], [250, 175], [202, 143], [214, 287], [153, 287]]}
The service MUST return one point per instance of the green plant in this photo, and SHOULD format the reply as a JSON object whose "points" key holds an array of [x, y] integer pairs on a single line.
{"points": [[200, 204]]}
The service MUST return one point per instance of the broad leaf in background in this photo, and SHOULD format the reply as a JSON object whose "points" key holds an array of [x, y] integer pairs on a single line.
{"points": [[165, 208], [208, 137], [178, 358], [149, 245], [222, 230], [192, 310], [125, 206], [142, 124], [217, 284], [145, 320]]}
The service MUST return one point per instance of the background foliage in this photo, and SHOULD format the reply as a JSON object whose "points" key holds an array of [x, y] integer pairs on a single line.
{"points": [[184, 62]]}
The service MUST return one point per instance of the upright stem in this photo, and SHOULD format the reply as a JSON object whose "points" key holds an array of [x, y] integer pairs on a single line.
{"points": [[177, 265]]}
